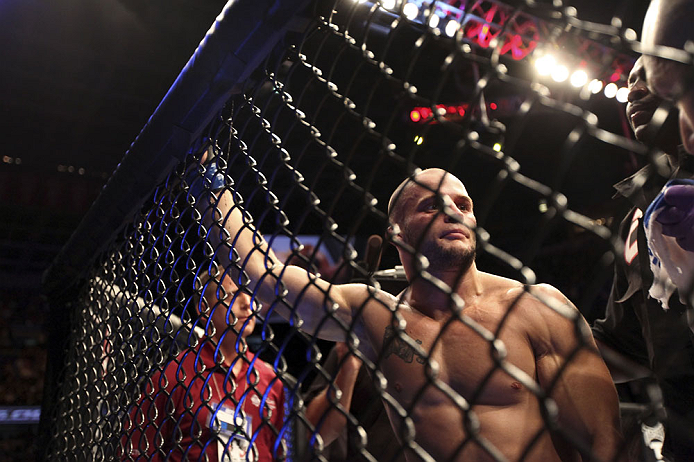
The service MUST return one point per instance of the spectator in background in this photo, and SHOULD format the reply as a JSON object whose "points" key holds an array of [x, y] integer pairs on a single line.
{"points": [[218, 399], [637, 337]]}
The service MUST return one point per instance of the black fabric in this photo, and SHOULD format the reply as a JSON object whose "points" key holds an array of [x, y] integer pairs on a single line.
{"points": [[637, 326]]}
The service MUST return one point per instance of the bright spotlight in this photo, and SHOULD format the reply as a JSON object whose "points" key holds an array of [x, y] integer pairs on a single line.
{"points": [[388, 4], [611, 90], [623, 95], [434, 21], [595, 86], [410, 11], [452, 27], [560, 73], [579, 78], [545, 64]]}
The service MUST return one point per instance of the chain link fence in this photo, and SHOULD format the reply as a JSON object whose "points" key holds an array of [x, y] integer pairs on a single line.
{"points": [[248, 229]]}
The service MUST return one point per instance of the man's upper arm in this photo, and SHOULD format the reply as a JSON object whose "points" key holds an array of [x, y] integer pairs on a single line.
{"points": [[285, 288], [324, 308], [575, 376]]}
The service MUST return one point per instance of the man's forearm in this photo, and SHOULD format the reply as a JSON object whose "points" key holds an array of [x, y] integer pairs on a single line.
{"points": [[247, 250], [283, 288], [321, 407]]}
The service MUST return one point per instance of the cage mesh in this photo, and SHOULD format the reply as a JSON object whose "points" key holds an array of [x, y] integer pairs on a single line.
{"points": [[313, 144]]}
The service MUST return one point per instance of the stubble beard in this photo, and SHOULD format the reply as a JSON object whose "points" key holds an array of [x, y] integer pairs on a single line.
{"points": [[449, 257]]}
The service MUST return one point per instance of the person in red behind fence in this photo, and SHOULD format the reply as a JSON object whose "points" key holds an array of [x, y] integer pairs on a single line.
{"points": [[217, 402], [463, 352]]}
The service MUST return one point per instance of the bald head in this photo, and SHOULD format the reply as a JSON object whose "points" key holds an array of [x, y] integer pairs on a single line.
{"points": [[668, 23], [430, 179], [432, 213]]}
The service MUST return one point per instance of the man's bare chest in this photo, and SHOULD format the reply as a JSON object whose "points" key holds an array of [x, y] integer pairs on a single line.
{"points": [[465, 356]]}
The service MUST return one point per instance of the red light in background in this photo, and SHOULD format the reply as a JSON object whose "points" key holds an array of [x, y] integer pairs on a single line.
{"points": [[615, 76], [493, 106], [424, 114]]}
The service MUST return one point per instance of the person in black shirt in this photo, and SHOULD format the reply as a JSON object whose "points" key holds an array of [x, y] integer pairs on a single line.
{"points": [[637, 337]]}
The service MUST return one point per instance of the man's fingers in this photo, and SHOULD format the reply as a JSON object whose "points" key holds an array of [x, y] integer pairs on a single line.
{"points": [[681, 196], [674, 230], [670, 215]]}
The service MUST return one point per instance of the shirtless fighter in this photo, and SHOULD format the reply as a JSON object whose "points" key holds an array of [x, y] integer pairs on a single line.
{"points": [[452, 400]]}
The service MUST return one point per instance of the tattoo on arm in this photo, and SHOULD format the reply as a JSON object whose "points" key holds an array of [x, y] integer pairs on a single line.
{"points": [[393, 344]]}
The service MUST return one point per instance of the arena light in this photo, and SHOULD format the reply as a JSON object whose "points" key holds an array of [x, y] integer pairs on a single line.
{"points": [[546, 64], [452, 27], [622, 94], [434, 21], [611, 90], [579, 78], [418, 140], [497, 147], [12, 160], [410, 11], [415, 115], [560, 73], [595, 86]]}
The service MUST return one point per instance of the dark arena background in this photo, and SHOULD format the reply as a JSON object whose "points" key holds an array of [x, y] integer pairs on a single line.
{"points": [[114, 232]]}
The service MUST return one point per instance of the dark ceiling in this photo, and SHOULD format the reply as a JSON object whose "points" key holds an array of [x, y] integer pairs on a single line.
{"points": [[78, 80]]}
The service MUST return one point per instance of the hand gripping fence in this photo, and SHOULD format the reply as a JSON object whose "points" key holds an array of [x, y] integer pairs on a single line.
{"points": [[239, 290]]}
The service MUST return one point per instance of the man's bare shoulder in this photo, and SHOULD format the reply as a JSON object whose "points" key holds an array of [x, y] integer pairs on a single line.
{"points": [[368, 300], [540, 304], [501, 288], [511, 290], [553, 322], [549, 298]]}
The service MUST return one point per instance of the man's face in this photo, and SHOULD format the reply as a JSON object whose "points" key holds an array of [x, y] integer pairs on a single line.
{"points": [[641, 102], [241, 308], [669, 80], [447, 238], [641, 106]]}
